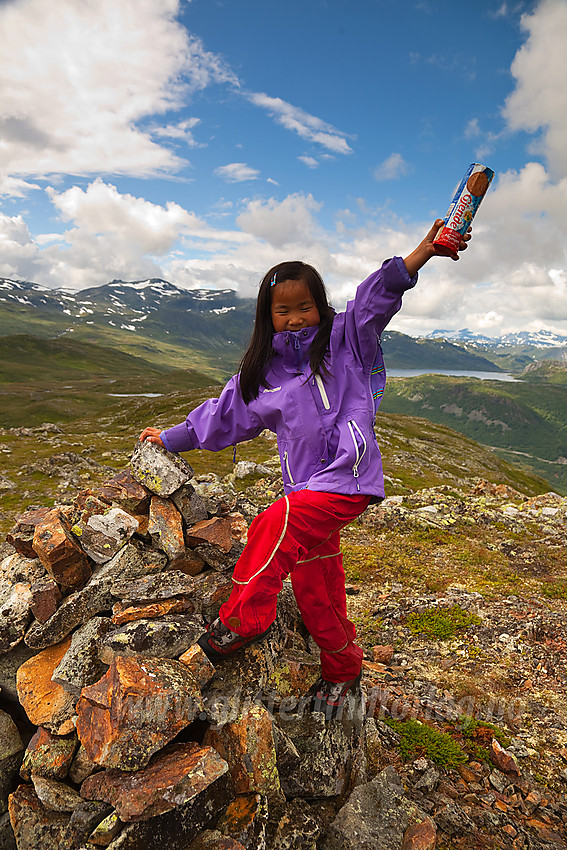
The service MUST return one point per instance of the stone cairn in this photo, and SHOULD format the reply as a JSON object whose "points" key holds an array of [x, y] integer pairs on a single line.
{"points": [[117, 731]]}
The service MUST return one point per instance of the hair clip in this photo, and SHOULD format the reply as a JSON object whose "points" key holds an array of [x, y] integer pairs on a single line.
{"points": [[273, 280]]}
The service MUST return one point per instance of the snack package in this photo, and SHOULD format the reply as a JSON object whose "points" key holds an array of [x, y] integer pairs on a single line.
{"points": [[465, 203]]}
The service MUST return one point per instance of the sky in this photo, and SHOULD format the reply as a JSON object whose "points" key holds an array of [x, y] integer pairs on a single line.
{"points": [[203, 141]]}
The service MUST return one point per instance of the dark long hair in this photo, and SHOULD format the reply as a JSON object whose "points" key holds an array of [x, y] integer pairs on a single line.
{"points": [[254, 364]]}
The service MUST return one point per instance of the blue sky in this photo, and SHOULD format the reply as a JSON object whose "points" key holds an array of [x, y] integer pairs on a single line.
{"points": [[204, 141]]}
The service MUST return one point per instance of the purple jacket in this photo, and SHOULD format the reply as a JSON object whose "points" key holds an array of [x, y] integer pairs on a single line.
{"points": [[324, 426]]}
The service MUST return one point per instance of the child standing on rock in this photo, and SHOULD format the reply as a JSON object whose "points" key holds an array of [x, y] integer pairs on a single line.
{"points": [[314, 378]]}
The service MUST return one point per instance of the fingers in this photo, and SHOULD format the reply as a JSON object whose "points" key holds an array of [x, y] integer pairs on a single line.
{"points": [[152, 435]]}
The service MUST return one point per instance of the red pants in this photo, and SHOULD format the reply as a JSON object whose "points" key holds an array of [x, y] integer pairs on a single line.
{"points": [[299, 536]]}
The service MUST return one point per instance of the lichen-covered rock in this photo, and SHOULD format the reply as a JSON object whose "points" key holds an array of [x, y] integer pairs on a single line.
{"points": [[199, 665], [45, 702], [15, 614], [133, 561], [85, 818], [101, 536], [212, 839], [11, 748], [10, 662], [55, 795], [75, 610], [21, 535], [376, 814], [126, 612], [174, 776], [245, 820], [189, 504], [216, 531], [59, 552], [160, 471], [35, 826], [158, 586], [166, 527], [247, 744], [81, 666], [123, 489], [325, 750], [49, 755], [108, 828], [166, 637], [297, 828], [136, 708], [45, 599]]}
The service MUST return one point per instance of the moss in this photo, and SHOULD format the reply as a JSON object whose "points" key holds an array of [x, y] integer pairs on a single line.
{"points": [[419, 739], [473, 728], [441, 624], [555, 590]]}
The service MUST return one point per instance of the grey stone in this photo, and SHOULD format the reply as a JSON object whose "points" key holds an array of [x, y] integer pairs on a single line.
{"points": [[15, 601], [7, 839], [55, 795], [103, 535], [167, 637], [428, 782], [158, 586], [453, 819], [17, 568], [297, 829], [76, 609], [376, 815], [132, 562], [190, 505], [160, 471], [10, 662], [217, 558], [9, 768], [325, 750], [10, 739], [81, 665], [86, 816], [82, 766]]}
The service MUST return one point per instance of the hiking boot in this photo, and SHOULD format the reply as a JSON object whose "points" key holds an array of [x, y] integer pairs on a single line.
{"points": [[329, 697], [219, 642]]}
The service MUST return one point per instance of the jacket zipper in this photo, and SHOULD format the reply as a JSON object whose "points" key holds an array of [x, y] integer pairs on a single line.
{"points": [[352, 426], [288, 470], [321, 387]]}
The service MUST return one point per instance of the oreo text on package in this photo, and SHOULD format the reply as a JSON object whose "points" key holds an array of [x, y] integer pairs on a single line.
{"points": [[465, 203]]}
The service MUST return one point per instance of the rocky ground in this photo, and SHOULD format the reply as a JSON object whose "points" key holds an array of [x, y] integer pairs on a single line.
{"points": [[115, 731]]}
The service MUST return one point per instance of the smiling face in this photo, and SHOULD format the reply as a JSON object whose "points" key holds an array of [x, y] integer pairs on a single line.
{"points": [[293, 307]]}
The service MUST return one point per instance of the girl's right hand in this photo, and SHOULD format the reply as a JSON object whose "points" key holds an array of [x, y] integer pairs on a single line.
{"points": [[152, 435]]}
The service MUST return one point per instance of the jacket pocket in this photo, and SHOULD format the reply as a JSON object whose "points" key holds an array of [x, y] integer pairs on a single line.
{"points": [[287, 467], [360, 445]]}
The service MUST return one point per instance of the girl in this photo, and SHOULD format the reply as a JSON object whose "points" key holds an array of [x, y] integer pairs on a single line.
{"points": [[316, 379]]}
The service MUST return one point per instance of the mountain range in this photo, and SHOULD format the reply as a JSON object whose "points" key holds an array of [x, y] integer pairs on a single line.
{"points": [[166, 324]]}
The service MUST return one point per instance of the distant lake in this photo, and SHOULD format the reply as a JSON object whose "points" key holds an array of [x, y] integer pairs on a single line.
{"points": [[484, 376]]}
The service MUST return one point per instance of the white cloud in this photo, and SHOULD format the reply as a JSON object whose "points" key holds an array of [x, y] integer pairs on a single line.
{"points": [[309, 161], [539, 102], [237, 172], [285, 223], [392, 168], [182, 131], [305, 125], [77, 77]]}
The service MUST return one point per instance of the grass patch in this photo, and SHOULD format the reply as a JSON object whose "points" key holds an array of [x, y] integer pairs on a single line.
{"points": [[555, 590], [440, 623], [418, 739]]}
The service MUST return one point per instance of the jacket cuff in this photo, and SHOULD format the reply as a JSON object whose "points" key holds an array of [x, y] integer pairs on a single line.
{"points": [[177, 439], [396, 276]]}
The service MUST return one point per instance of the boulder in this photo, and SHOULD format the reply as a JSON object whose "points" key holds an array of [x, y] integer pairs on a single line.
{"points": [[136, 708], [81, 666], [190, 505], [166, 527], [167, 637], [45, 702], [101, 536], [162, 472], [245, 820], [49, 755], [22, 533], [123, 490], [247, 744], [45, 599], [15, 602], [376, 814], [174, 776], [59, 552], [35, 826]]}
